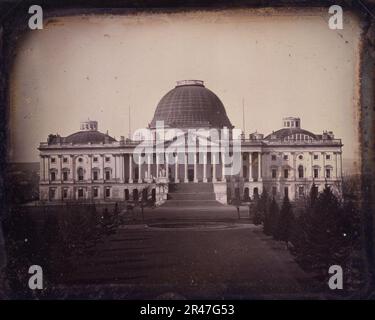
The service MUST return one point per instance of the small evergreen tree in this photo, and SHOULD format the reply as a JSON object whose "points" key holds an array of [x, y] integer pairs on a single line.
{"points": [[264, 204], [285, 222], [265, 212], [273, 217], [324, 242], [257, 210]]}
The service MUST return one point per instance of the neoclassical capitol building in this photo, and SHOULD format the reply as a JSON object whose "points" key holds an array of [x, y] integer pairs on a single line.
{"points": [[189, 152]]}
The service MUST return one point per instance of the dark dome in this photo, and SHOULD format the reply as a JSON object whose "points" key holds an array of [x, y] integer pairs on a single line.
{"points": [[191, 105], [93, 136], [286, 132]]}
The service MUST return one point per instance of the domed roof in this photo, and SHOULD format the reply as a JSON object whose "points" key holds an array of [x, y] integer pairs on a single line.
{"points": [[191, 105], [288, 132], [84, 137]]}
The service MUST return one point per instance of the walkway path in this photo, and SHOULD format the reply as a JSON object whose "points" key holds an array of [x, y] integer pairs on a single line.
{"points": [[194, 253]]}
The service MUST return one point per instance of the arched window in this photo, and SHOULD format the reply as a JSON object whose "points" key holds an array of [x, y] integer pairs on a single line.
{"points": [[255, 191], [300, 171], [80, 174], [126, 194]]}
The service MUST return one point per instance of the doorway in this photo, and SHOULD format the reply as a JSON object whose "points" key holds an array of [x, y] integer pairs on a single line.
{"points": [[191, 174]]}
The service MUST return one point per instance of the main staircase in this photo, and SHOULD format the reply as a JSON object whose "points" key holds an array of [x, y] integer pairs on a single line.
{"points": [[191, 195]]}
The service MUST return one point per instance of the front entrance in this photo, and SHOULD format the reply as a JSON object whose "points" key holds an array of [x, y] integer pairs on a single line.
{"points": [[191, 174]]}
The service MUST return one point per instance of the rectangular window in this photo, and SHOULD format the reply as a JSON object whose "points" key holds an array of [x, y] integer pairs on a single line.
{"points": [[274, 172], [95, 175], [95, 159], [107, 175], [65, 175], [95, 192], [65, 193], [53, 176], [328, 157], [107, 159], [53, 160], [65, 160], [107, 192], [285, 157], [316, 173], [316, 157], [273, 157], [286, 173], [328, 173], [80, 193]]}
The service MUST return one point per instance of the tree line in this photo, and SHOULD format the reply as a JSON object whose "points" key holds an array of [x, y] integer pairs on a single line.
{"points": [[321, 230], [56, 239]]}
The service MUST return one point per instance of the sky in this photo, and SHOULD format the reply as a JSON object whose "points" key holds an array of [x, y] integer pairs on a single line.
{"points": [[280, 63]]}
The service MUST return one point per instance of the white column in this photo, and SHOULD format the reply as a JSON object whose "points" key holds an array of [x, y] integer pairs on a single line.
{"points": [[157, 164], [130, 168], [259, 166], [250, 166], [149, 166], [223, 167], [195, 167], [42, 168], [213, 166], [204, 167], [48, 173], [176, 168], [123, 167], [139, 169], [115, 177], [120, 168], [241, 166], [186, 168], [167, 166], [336, 165]]}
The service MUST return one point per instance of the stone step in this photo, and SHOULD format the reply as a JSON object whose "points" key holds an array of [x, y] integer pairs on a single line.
{"points": [[192, 203], [191, 187], [192, 196]]}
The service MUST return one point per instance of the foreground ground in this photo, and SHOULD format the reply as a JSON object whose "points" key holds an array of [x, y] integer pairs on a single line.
{"points": [[189, 253]]}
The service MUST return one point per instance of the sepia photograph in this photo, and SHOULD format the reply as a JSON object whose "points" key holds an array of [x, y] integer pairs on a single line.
{"points": [[187, 154]]}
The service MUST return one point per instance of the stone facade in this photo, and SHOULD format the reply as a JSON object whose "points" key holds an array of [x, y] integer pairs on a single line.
{"points": [[91, 166]]}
